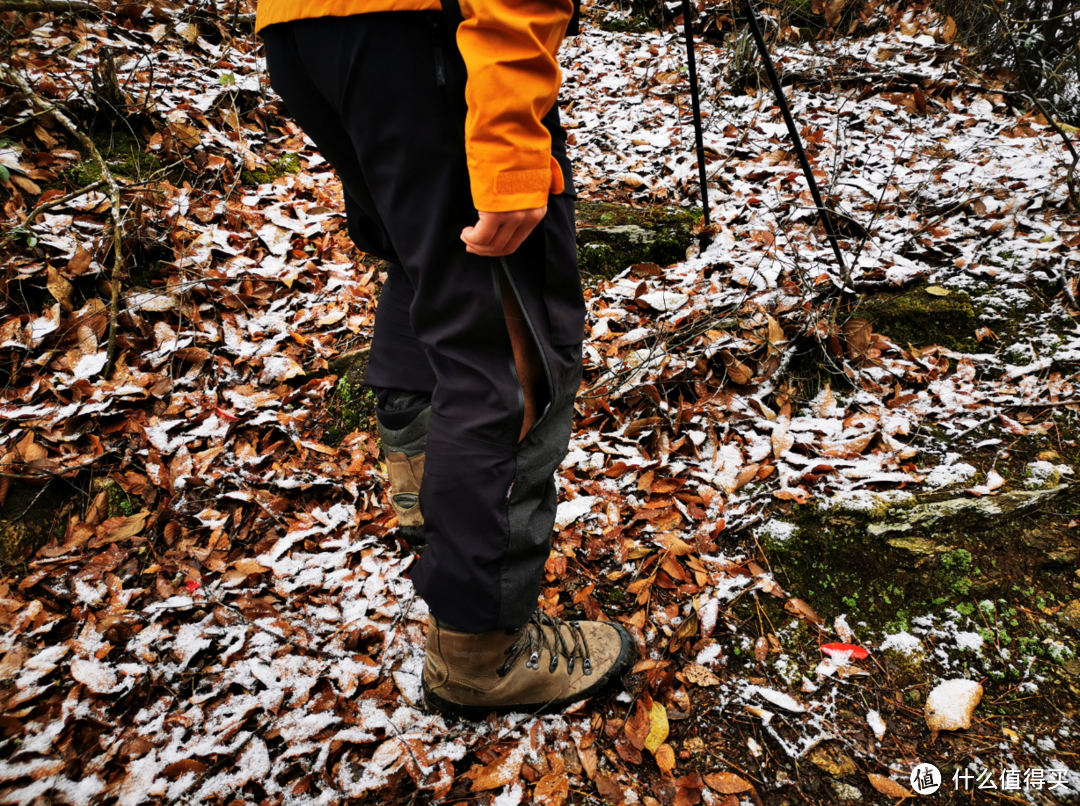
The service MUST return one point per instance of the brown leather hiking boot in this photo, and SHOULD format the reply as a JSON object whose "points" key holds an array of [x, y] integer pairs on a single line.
{"points": [[404, 450], [544, 666]]}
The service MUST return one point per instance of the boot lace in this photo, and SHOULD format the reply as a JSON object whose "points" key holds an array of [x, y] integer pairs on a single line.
{"points": [[534, 639]]}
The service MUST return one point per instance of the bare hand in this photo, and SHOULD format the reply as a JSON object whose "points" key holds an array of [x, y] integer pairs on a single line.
{"points": [[498, 234]]}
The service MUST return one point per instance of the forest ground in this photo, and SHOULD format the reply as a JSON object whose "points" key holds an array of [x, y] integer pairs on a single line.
{"points": [[812, 495]]}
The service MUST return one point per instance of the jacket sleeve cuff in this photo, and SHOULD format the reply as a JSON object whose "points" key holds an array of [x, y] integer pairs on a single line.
{"points": [[523, 186]]}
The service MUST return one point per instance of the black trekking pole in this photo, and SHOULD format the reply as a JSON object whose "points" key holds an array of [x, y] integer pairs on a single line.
{"points": [[696, 105], [796, 141]]}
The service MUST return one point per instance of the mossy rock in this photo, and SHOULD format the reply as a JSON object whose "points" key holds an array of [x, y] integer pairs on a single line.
{"points": [[885, 567], [632, 24], [907, 666], [611, 237], [287, 163], [922, 319], [1069, 616]]}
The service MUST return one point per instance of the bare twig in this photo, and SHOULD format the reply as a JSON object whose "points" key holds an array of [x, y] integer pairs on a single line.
{"points": [[1033, 95], [47, 474], [114, 198], [30, 6], [41, 208]]}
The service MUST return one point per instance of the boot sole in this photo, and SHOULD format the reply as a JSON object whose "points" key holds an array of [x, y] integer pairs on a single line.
{"points": [[627, 653]]}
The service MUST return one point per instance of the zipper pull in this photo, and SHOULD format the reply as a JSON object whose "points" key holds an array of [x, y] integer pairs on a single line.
{"points": [[440, 68]]}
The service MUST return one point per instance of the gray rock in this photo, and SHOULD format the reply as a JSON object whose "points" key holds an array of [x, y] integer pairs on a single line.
{"points": [[628, 232], [929, 517]]}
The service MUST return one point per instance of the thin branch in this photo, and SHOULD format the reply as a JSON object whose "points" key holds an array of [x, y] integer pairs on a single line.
{"points": [[114, 199], [47, 474], [31, 6], [1033, 95], [41, 208]]}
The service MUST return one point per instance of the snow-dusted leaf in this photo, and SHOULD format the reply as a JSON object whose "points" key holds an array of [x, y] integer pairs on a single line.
{"points": [[951, 705], [94, 674], [279, 368], [504, 770]]}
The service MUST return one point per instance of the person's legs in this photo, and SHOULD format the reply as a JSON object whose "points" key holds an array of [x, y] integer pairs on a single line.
{"points": [[501, 337], [486, 545]]}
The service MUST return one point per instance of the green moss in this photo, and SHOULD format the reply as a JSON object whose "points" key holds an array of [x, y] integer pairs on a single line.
{"points": [[287, 163], [625, 25], [352, 407], [957, 562], [955, 566], [120, 503], [32, 515], [921, 319], [906, 668], [124, 153]]}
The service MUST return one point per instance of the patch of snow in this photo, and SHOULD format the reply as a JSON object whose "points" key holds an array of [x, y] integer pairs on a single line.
{"points": [[777, 530], [1045, 474], [710, 654], [511, 796], [903, 642], [950, 471], [876, 723], [90, 365], [571, 511]]}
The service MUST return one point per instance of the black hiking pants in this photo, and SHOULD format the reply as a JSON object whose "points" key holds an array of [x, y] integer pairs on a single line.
{"points": [[382, 96]]}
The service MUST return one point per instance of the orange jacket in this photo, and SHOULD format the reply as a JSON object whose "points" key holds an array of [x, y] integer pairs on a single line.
{"points": [[509, 49]]}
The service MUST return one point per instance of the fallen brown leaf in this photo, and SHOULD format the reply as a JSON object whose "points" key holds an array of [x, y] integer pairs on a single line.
{"points": [[728, 783], [801, 609], [700, 676], [551, 790], [665, 758], [500, 772], [888, 787]]}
